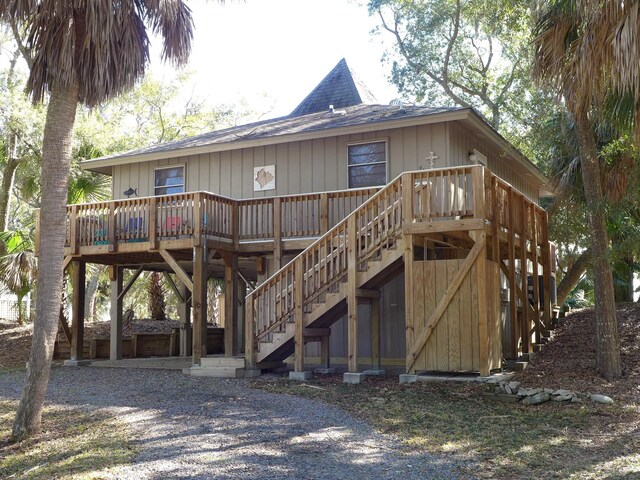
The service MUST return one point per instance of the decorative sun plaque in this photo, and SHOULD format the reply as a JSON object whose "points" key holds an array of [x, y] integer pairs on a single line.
{"points": [[264, 178]]}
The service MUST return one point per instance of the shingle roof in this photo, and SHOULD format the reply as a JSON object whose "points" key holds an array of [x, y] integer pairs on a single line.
{"points": [[352, 116], [340, 88]]}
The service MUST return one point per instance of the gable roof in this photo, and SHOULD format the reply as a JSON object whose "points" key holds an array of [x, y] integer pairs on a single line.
{"points": [[340, 88]]}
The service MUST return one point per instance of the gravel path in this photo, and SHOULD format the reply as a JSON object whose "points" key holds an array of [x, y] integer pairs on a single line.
{"points": [[221, 429]]}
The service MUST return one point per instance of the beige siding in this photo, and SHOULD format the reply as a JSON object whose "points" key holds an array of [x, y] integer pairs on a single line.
{"points": [[463, 141], [321, 164]]}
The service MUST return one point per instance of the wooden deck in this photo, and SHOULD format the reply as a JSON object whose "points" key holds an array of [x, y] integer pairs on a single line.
{"points": [[344, 246]]}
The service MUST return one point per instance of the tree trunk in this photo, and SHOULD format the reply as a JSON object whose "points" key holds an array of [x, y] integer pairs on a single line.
{"points": [[573, 276], [58, 132], [607, 340], [91, 293], [5, 192]]}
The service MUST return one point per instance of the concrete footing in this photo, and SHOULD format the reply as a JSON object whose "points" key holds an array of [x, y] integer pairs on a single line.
{"points": [[76, 363], [325, 370], [374, 373], [252, 372], [406, 378], [300, 376], [354, 378]]}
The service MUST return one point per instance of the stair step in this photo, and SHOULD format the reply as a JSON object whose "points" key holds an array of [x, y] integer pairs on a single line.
{"points": [[216, 372], [228, 362]]}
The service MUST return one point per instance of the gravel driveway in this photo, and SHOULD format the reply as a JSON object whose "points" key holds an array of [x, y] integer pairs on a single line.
{"points": [[213, 428]]}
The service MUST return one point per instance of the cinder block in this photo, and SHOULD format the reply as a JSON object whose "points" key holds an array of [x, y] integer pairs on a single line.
{"points": [[406, 378], [252, 372], [354, 378], [300, 376]]}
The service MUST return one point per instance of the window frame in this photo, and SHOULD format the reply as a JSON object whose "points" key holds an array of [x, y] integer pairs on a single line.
{"points": [[168, 167], [383, 140]]}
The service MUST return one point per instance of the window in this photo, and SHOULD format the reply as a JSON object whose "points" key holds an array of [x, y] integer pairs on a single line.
{"points": [[367, 164], [169, 180]]}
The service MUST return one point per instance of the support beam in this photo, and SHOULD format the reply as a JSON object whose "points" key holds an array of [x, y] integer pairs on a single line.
{"points": [[249, 333], [177, 269], [131, 281], [78, 276], [511, 276], [483, 309], [408, 298], [199, 291], [277, 234], [325, 353], [115, 343], [180, 295], [525, 326], [230, 303]]}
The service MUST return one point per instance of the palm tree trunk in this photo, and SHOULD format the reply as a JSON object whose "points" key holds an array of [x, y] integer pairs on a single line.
{"points": [[56, 159], [607, 340], [573, 276]]}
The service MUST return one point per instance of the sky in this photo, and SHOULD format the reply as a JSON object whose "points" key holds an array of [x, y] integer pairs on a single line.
{"points": [[272, 53]]}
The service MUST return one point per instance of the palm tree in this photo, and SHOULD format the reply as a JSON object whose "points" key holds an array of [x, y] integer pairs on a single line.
{"points": [[80, 51], [18, 267], [588, 52]]}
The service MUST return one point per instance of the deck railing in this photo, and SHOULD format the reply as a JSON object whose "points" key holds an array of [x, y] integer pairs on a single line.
{"points": [[184, 215]]}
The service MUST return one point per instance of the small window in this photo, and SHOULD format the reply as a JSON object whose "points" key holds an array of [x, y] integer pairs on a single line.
{"points": [[169, 180], [367, 165]]}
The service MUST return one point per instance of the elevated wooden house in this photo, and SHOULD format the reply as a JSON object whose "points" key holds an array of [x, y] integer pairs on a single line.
{"points": [[347, 232]]}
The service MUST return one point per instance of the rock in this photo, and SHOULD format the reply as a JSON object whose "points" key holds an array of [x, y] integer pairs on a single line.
{"points": [[562, 392], [601, 399], [377, 399], [537, 398], [507, 389], [562, 398], [575, 399], [523, 392], [548, 390], [514, 386]]}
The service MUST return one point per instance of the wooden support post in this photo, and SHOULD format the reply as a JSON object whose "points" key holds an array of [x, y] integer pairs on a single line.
{"points": [[375, 334], [131, 281], [513, 299], [153, 224], [547, 266], [235, 225], [115, 344], [352, 300], [408, 297], [249, 333], [184, 313], [536, 284], [495, 225], [407, 198], [298, 293], [483, 301], [77, 309], [525, 326], [230, 303], [199, 295], [177, 269], [277, 233]]}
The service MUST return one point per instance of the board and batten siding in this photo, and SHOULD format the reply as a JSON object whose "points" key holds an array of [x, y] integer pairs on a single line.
{"points": [[301, 166]]}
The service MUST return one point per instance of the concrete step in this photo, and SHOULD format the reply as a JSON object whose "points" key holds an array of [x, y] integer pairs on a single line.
{"points": [[230, 362], [215, 372]]}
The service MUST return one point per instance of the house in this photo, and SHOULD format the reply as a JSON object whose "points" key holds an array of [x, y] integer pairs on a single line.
{"points": [[347, 232]]}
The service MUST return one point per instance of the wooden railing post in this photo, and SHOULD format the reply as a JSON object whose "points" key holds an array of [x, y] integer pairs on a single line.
{"points": [[235, 224], [249, 335], [197, 219], [324, 213], [547, 264], [298, 293], [113, 240], [73, 230], [36, 245], [277, 233], [407, 198], [477, 184], [153, 224]]}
